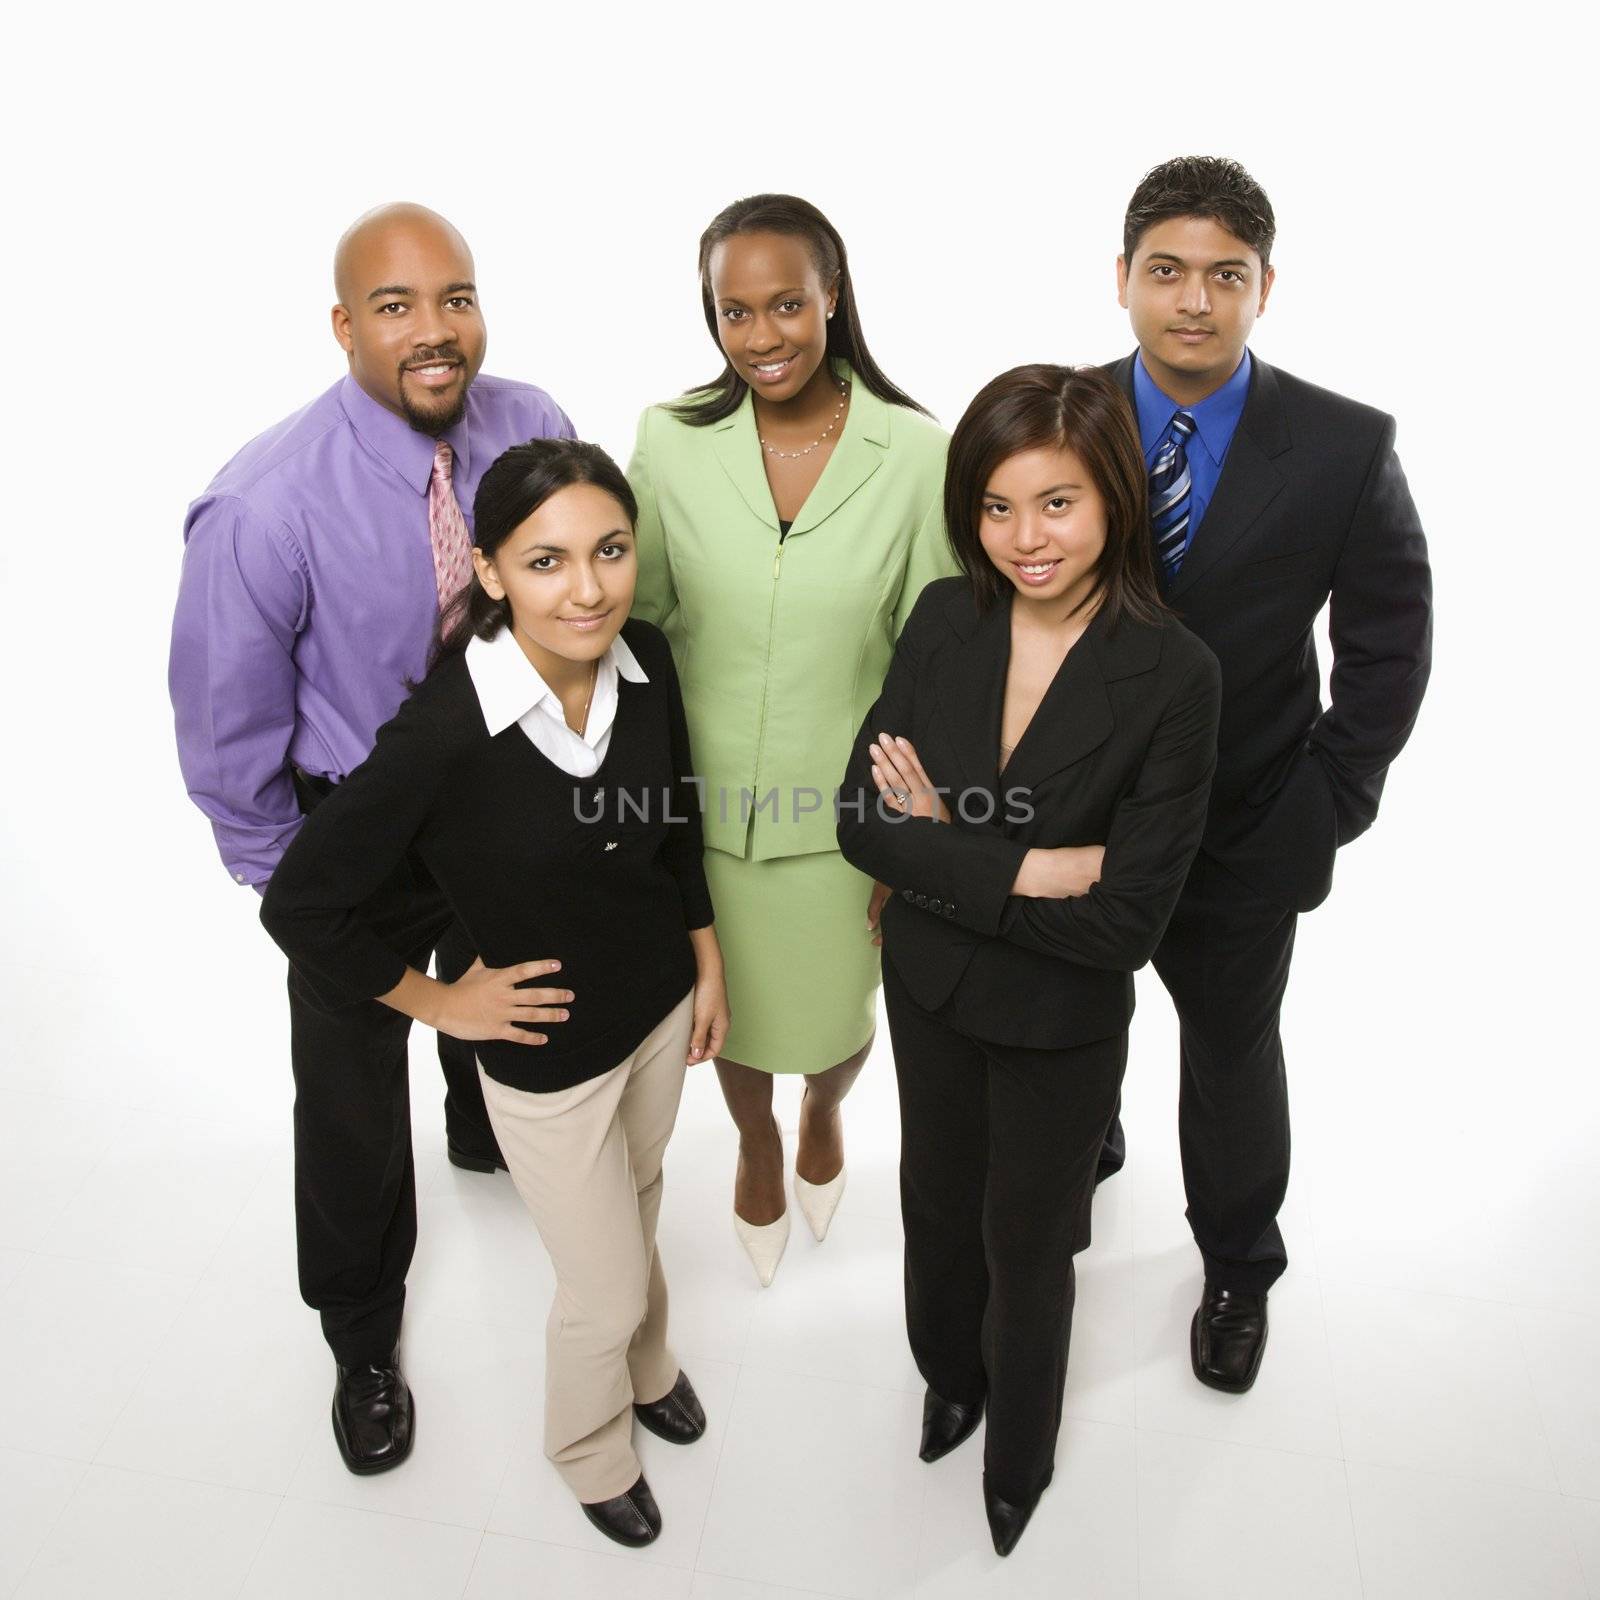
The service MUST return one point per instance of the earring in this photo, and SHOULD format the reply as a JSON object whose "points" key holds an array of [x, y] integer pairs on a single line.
{"points": [[830, 316]]}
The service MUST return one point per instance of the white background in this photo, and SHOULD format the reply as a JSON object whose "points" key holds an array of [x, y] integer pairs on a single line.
{"points": [[175, 185]]}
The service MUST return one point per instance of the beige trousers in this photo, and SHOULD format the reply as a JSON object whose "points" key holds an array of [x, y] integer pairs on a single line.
{"points": [[587, 1162]]}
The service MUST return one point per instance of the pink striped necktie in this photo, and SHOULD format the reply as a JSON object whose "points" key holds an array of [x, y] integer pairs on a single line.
{"points": [[447, 529]]}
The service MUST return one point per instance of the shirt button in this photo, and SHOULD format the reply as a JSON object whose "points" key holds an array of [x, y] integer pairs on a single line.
{"points": [[936, 905], [922, 900], [238, 877], [908, 896]]}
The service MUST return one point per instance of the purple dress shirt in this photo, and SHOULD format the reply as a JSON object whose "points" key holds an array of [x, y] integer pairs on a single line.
{"points": [[308, 599]]}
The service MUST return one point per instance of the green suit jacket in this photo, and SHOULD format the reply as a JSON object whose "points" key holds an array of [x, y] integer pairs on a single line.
{"points": [[782, 647]]}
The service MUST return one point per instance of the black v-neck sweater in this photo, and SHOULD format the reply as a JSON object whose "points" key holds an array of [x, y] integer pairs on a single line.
{"points": [[604, 874]]}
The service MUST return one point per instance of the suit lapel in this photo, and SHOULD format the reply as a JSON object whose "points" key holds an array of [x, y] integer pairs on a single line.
{"points": [[1249, 483], [739, 451], [1073, 718], [1121, 373], [858, 454], [971, 684], [1250, 479]]}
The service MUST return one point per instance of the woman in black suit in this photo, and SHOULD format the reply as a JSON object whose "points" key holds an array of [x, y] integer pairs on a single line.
{"points": [[1032, 784]]}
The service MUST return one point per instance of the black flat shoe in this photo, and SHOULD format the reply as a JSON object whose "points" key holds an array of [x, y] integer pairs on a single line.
{"points": [[1227, 1338], [632, 1519], [1006, 1521], [677, 1416], [471, 1161], [945, 1424], [373, 1416]]}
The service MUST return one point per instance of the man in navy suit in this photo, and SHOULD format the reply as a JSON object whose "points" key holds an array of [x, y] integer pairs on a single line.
{"points": [[1269, 498]]}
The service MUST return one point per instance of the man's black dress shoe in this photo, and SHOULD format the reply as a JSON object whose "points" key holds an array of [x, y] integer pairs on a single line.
{"points": [[945, 1424], [677, 1416], [1006, 1521], [632, 1518], [1227, 1337], [471, 1161], [373, 1416]]}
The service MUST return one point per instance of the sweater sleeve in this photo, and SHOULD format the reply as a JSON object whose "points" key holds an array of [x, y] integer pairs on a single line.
{"points": [[684, 851], [348, 848]]}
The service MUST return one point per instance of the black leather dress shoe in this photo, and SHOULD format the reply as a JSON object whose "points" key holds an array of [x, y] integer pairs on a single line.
{"points": [[945, 1424], [1227, 1337], [472, 1161], [1006, 1521], [632, 1518], [373, 1416], [677, 1416]]}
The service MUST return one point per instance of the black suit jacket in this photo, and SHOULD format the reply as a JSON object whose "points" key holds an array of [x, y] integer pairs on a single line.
{"points": [[1120, 753], [1311, 504]]}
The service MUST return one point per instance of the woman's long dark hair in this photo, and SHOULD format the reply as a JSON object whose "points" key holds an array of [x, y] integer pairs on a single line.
{"points": [[1063, 408], [786, 214], [514, 487]]}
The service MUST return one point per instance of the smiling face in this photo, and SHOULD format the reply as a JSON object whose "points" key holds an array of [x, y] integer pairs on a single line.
{"points": [[1043, 525], [1193, 292], [772, 312], [408, 316], [568, 572]]}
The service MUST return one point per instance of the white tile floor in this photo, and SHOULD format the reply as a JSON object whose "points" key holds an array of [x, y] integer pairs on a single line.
{"points": [[1427, 1422]]}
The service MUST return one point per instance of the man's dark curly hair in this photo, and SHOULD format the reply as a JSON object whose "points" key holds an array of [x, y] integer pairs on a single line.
{"points": [[1201, 186]]}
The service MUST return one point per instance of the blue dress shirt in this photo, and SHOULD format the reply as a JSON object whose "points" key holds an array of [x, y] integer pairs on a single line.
{"points": [[1215, 419]]}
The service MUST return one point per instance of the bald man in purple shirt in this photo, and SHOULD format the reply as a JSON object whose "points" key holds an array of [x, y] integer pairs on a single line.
{"points": [[314, 569]]}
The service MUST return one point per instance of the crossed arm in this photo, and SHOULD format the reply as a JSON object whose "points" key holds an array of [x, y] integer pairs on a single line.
{"points": [[1105, 909]]}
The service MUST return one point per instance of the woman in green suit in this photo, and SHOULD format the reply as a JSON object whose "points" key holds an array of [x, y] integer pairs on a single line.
{"points": [[790, 513]]}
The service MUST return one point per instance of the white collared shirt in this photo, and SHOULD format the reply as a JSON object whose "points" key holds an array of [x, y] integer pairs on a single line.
{"points": [[510, 689]]}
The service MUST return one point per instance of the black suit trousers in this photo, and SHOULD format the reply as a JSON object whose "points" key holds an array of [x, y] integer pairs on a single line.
{"points": [[355, 1193], [1225, 961], [997, 1166]]}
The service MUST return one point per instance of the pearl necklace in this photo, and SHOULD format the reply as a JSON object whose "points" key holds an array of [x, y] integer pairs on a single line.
{"points": [[795, 455]]}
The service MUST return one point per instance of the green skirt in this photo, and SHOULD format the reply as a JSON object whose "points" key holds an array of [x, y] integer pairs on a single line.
{"points": [[803, 972]]}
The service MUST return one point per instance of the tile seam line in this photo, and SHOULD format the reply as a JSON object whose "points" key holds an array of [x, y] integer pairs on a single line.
{"points": [[255, 1560], [472, 1565], [1338, 1411], [716, 1472], [55, 1521], [1339, 1281], [144, 1371], [1544, 1434]]}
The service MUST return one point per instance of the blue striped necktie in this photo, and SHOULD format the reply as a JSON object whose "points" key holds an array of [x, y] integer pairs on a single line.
{"points": [[1169, 495]]}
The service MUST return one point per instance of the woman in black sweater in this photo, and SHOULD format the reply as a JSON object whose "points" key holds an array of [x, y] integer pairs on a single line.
{"points": [[1032, 783], [541, 775]]}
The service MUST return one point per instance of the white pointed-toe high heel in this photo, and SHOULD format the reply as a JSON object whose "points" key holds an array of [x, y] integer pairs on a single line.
{"points": [[819, 1201], [764, 1245]]}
